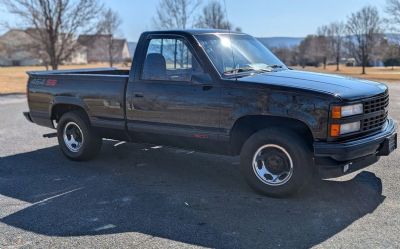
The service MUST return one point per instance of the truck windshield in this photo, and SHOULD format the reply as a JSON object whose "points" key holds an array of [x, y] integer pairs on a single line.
{"points": [[234, 54]]}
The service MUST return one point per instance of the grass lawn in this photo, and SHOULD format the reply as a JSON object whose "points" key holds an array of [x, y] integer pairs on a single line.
{"points": [[382, 74], [13, 79]]}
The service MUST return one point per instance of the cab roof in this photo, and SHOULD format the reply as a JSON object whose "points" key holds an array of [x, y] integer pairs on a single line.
{"points": [[194, 31]]}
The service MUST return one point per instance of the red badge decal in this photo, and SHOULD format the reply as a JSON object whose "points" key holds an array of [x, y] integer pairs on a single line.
{"points": [[51, 82]]}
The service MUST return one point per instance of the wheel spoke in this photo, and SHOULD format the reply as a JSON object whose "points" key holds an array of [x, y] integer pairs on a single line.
{"points": [[73, 141], [275, 177], [283, 173], [263, 169], [265, 172]]}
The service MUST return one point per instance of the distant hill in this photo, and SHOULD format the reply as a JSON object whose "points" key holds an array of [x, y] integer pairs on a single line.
{"points": [[276, 42], [394, 38], [270, 42], [273, 42]]}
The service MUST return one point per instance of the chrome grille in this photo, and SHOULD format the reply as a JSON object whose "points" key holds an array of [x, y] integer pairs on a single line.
{"points": [[377, 104], [374, 122]]}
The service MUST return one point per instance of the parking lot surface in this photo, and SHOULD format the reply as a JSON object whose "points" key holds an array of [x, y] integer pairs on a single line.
{"points": [[142, 196]]}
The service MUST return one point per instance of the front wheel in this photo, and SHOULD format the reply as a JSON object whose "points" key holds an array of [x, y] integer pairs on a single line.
{"points": [[76, 138], [276, 162]]}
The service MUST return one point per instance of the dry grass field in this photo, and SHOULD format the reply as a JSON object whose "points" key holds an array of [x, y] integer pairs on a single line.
{"points": [[382, 74], [13, 79]]}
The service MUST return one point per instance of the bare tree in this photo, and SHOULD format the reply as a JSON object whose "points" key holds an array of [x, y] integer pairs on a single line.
{"points": [[364, 27], [313, 51], [213, 16], [393, 10], [109, 26], [286, 54], [55, 23], [391, 55], [335, 33], [322, 44], [176, 14], [308, 52]]}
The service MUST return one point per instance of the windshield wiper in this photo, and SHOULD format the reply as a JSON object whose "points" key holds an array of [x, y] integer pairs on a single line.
{"points": [[247, 69], [239, 70], [275, 66]]}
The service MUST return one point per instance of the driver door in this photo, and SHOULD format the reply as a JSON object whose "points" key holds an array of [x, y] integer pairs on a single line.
{"points": [[173, 97]]}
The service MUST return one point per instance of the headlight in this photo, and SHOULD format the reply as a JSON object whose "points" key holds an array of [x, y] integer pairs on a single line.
{"points": [[348, 110], [350, 127], [341, 129]]}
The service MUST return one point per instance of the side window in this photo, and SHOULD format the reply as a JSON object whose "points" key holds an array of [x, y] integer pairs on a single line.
{"points": [[169, 60]]}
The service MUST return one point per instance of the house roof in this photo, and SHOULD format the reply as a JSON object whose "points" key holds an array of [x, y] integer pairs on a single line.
{"points": [[15, 37], [86, 40]]}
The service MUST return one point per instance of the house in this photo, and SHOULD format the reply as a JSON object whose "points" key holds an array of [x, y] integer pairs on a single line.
{"points": [[78, 57], [98, 48], [19, 48]]}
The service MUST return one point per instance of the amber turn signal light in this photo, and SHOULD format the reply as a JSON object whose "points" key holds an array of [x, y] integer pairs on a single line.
{"points": [[335, 130], [337, 112]]}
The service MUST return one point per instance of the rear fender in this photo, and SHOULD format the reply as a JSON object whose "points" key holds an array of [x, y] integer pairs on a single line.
{"points": [[68, 100]]}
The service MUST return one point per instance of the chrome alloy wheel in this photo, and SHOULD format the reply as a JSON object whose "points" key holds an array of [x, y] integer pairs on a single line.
{"points": [[273, 165], [73, 137]]}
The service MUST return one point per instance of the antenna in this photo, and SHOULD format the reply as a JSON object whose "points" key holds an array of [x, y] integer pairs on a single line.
{"points": [[230, 37]]}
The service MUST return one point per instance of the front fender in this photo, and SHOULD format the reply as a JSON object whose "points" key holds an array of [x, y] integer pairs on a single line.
{"points": [[310, 109]]}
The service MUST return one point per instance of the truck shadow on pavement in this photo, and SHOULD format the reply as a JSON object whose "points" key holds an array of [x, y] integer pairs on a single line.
{"points": [[180, 195]]}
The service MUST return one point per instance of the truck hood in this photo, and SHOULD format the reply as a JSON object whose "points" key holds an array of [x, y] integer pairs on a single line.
{"points": [[344, 87]]}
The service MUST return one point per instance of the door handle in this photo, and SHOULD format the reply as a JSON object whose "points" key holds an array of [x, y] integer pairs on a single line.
{"points": [[207, 87], [138, 95]]}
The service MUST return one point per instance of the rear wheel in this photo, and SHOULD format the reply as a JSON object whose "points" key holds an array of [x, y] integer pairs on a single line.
{"points": [[77, 140], [276, 162]]}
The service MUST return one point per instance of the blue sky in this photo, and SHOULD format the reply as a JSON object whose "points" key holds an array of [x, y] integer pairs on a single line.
{"points": [[295, 18]]}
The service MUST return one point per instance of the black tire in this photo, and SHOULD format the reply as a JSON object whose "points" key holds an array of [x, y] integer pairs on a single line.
{"points": [[90, 142], [286, 148]]}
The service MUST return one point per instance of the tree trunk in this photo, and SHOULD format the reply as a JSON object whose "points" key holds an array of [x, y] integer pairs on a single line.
{"points": [[111, 61], [364, 61], [110, 52], [337, 63], [54, 65], [53, 36], [53, 60]]}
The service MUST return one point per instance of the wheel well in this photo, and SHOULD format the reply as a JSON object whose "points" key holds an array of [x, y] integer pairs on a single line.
{"points": [[60, 109], [248, 125]]}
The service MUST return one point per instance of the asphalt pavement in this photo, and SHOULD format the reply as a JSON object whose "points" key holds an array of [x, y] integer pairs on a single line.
{"points": [[142, 196]]}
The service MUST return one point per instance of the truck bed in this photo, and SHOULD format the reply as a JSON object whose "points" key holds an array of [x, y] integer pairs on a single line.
{"points": [[100, 92]]}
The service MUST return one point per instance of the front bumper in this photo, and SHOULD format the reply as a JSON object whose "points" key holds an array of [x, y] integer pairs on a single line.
{"points": [[345, 157], [344, 151]]}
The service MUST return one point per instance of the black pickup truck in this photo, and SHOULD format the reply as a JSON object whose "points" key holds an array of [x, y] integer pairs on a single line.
{"points": [[220, 92]]}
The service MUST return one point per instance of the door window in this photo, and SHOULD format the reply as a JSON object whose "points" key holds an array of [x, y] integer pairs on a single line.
{"points": [[169, 60]]}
